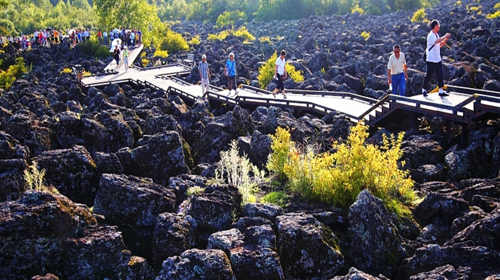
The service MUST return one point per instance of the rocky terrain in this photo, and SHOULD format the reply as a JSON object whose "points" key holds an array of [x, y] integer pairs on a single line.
{"points": [[123, 156]]}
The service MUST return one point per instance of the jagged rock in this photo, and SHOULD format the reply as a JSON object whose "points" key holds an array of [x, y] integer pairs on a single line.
{"points": [[197, 264], [214, 210], [442, 205], [218, 134], [159, 156], [268, 211], [24, 126], [276, 117], [377, 82], [100, 252], [421, 150], [33, 229], [13, 158], [132, 201], [72, 171], [260, 148], [308, 248], [375, 242], [253, 255], [355, 274], [471, 162], [48, 276], [445, 272], [108, 163], [108, 132], [464, 221], [245, 222], [180, 185], [173, 235], [483, 261], [435, 233], [157, 124], [482, 232]]}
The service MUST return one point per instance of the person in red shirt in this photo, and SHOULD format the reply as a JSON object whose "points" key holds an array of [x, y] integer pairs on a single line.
{"points": [[99, 35]]}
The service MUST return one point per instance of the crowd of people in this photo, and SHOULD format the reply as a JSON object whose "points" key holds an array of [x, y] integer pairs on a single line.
{"points": [[39, 37], [128, 37]]}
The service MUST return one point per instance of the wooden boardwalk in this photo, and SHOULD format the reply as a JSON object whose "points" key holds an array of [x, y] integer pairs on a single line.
{"points": [[463, 105], [133, 54]]}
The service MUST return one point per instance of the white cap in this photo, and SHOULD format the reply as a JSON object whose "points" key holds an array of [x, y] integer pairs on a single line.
{"points": [[231, 54], [203, 56]]}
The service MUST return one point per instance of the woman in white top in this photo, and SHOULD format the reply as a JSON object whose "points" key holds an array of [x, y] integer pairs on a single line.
{"points": [[280, 73], [434, 63]]}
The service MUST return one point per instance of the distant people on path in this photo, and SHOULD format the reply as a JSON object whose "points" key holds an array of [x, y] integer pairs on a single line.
{"points": [[116, 56], [125, 58], [433, 57], [230, 72], [105, 37], [99, 36], [280, 73], [204, 75], [396, 71]]}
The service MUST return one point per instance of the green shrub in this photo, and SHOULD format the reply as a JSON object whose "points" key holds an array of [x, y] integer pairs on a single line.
{"points": [[266, 72], [93, 48], [160, 53], [12, 73], [195, 40], [358, 10], [265, 39], [220, 36], [229, 18], [497, 6], [277, 198], [418, 16], [235, 170], [338, 178], [173, 42], [365, 35], [243, 32], [194, 191], [495, 15]]}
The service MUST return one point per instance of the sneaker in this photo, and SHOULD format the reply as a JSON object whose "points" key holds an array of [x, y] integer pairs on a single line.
{"points": [[424, 92], [284, 96], [443, 94], [274, 94]]}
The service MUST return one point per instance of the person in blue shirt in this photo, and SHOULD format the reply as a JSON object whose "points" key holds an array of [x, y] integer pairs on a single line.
{"points": [[230, 72]]}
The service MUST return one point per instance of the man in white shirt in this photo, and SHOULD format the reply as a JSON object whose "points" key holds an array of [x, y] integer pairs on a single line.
{"points": [[434, 63], [396, 71], [280, 73]]}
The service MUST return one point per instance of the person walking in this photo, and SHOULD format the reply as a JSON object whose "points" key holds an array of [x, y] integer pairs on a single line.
{"points": [[280, 73], [56, 36], [99, 36], [230, 72], [125, 58], [204, 75], [397, 71], [116, 56], [105, 37], [433, 57]]}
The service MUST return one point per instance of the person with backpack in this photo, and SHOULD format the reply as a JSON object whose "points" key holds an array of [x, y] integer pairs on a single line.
{"points": [[230, 72], [433, 57]]}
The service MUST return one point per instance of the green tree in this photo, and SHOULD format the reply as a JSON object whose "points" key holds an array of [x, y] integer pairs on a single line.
{"points": [[3, 4], [229, 18]]}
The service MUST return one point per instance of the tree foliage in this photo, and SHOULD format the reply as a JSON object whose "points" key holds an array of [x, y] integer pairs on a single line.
{"points": [[228, 18], [28, 16]]}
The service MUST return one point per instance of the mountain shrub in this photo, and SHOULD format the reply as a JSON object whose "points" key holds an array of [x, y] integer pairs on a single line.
{"points": [[160, 53], [173, 42], [276, 198], [365, 35], [358, 10], [12, 73], [418, 16], [266, 72], [339, 177], [93, 48], [195, 40], [243, 32]]}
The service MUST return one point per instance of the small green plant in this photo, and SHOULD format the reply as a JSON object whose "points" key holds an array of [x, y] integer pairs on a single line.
{"points": [[497, 6], [277, 198], [195, 191], [93, 48], [144, 62], [323, 71], [475, 8], [495, 15], [34, 177], [173, 42], [418, 16], [243, 32], [358, 10], [365, 35], [235, 170], [266, 72], [160, 53], [195, 40]]}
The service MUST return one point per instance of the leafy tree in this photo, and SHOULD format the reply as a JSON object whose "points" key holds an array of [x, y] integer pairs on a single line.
{"points": [[3, 4]]}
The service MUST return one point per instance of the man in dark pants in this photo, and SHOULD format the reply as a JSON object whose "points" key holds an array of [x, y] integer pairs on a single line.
{"points": [[280, 73], [434, 63]]}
